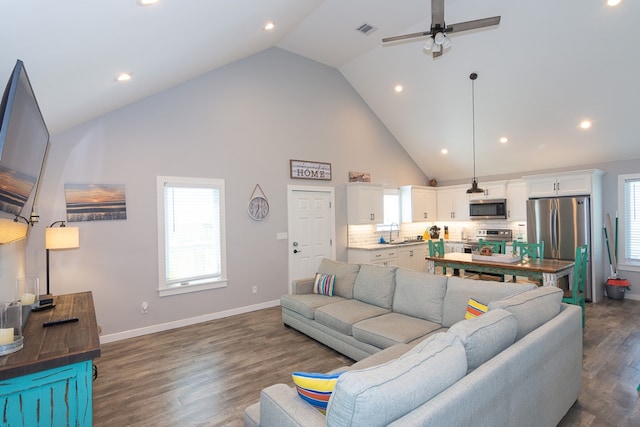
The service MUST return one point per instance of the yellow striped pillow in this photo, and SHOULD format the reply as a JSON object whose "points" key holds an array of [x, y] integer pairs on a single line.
{"points": [[474, 309]]}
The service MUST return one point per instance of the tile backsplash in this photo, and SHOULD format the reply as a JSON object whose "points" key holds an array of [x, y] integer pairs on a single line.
{"points": [[359, 235]]}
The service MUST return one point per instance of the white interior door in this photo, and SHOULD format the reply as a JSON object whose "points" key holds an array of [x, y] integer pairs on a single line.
{"points": [[311, 229]]}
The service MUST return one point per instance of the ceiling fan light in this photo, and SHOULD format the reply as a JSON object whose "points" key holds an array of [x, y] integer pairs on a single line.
{"points": [[428, 44], [446, 43], [435, 48], [440, 38]]}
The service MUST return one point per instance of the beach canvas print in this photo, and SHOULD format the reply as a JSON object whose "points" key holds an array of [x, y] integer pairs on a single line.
{"points": [[95, 202], [15, 188]]}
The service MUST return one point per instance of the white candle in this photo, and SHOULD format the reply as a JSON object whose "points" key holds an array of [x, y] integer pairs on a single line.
{"points": [[28, 299], [6, 336]]}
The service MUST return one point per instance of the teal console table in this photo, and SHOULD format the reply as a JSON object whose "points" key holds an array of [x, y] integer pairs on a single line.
{"points": [[49, 382]]}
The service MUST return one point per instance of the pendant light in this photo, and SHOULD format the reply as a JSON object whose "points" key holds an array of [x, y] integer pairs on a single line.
{"points": [[474, 183]]}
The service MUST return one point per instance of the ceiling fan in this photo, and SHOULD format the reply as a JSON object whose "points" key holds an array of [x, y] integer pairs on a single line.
{"points": [[438, 40]]}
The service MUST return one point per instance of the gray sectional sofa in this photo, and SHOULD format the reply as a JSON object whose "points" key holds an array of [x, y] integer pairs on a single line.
{"points": [[420, 363]]}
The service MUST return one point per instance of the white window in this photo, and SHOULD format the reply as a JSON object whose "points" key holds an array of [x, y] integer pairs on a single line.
{"points": [[191, 234], [629, 233], [391, 211]]}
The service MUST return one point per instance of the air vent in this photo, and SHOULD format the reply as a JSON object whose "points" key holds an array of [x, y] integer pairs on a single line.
{"points": [[366, 29]]}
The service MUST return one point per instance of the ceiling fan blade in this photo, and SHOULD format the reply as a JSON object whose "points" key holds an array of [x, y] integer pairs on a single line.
{"points": [[437, 12], [438, 53], [471, 25], [406, 36]]}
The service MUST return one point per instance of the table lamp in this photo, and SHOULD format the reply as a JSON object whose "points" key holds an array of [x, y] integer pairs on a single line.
{"points": [[62, 237]]}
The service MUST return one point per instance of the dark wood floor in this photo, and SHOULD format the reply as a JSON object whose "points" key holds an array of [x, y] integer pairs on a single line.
{"points": [[206, 374]]}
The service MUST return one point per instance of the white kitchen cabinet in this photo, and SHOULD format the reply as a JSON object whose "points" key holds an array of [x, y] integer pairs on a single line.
{"points": [[453, 203], [365, 203], [412, 257], [517, 200], [562, 184], [492, 190], [385, 257], [417, 203]]}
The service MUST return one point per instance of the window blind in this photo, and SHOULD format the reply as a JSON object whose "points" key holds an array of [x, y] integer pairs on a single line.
{"points": [[192, 234], [632, 219]]}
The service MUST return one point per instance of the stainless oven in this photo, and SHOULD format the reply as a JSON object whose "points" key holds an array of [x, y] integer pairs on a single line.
{"points": [[488, 209]]}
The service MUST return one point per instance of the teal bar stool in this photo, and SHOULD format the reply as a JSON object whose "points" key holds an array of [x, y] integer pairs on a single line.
{"points": [[497, 248], [436, 249], [575, 295], [530, 250]]}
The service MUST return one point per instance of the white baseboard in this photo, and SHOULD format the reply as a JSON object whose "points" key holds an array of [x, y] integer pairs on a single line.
{"points": [[185, 322]]}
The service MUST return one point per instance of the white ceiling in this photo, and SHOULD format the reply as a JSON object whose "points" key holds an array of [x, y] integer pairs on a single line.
{"points": [[548, 65]]}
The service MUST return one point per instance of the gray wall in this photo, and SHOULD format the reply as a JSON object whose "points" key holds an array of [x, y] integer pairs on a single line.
{"points": [[243, 123]]}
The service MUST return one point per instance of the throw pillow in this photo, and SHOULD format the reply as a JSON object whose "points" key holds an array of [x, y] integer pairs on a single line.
{"points": [[474, 309], [324, 283], [315, 389]]}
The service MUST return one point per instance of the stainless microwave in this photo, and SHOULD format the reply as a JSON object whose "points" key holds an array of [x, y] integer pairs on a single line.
{"points": [[488, 209]]}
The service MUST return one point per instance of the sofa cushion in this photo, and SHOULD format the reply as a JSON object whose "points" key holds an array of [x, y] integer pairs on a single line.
{"points": [[379, 395], [419, 294], [533, 308], [460, 290], [316, 389], [342, 315], [485, 336], [345, 276], [375, 285], [392, 328], [306, 304], [323, 284]]}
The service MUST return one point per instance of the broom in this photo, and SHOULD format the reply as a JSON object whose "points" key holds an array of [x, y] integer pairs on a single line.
{"points": [[614, 280]]}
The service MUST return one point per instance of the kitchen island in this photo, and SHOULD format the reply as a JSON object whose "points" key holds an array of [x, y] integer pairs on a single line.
{"points": [[546, 271]]}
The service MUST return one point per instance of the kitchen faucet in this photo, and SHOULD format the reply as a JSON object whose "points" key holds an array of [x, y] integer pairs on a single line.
{"points": [[391, 231]]}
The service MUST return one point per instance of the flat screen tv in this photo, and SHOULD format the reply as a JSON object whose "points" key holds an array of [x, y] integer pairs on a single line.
{"points": [[24, 139]]}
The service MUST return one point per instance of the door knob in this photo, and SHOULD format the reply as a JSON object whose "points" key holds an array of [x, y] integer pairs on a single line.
{"points": [[295, 251]]}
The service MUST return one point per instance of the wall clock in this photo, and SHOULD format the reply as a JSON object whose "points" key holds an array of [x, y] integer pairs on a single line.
{"points": [[258, 207]]}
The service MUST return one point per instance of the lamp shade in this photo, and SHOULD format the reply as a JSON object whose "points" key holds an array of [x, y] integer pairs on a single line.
{"points": [[62, 238], [11, 230]]}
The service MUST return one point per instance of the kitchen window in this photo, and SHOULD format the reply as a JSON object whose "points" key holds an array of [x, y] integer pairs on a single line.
{"points": [[191, 234], [629, 233], [391, 211]]}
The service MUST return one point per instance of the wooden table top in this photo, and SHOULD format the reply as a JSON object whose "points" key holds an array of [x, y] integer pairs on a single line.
{"points": [[553, 266], [55, 346]]}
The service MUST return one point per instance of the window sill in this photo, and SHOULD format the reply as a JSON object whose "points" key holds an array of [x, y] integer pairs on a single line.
{"points": [[629, 267], [179, 290]]}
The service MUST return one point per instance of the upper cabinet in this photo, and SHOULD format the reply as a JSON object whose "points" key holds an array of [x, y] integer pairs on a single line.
{"points": [[453, 203], [492, 190], [417, 204], [517, 200], [559, 184], [365, 203]]}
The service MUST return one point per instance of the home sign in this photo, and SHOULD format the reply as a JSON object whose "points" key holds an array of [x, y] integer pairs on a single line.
{"points": [[302, 169]]}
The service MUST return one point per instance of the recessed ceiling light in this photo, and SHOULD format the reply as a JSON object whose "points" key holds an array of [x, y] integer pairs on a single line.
{"points": [[613, 2], [398, 88], [585, 124], [123, 77], [444, 151], [269, 26], [147, 2], [504, 140]]}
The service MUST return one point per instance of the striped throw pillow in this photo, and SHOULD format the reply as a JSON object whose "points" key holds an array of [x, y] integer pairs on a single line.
{"points": [[474, 309], [315, 389], [324, 283]]}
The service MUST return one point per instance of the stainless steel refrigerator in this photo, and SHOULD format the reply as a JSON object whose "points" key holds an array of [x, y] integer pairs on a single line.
{"points": [[563, 223]]}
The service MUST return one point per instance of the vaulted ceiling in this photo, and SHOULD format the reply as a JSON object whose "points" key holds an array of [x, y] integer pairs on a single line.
{"points": [[547, 66]]}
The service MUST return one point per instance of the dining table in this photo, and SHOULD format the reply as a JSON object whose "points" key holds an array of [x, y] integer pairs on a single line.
{"points": [[547, 272]]}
